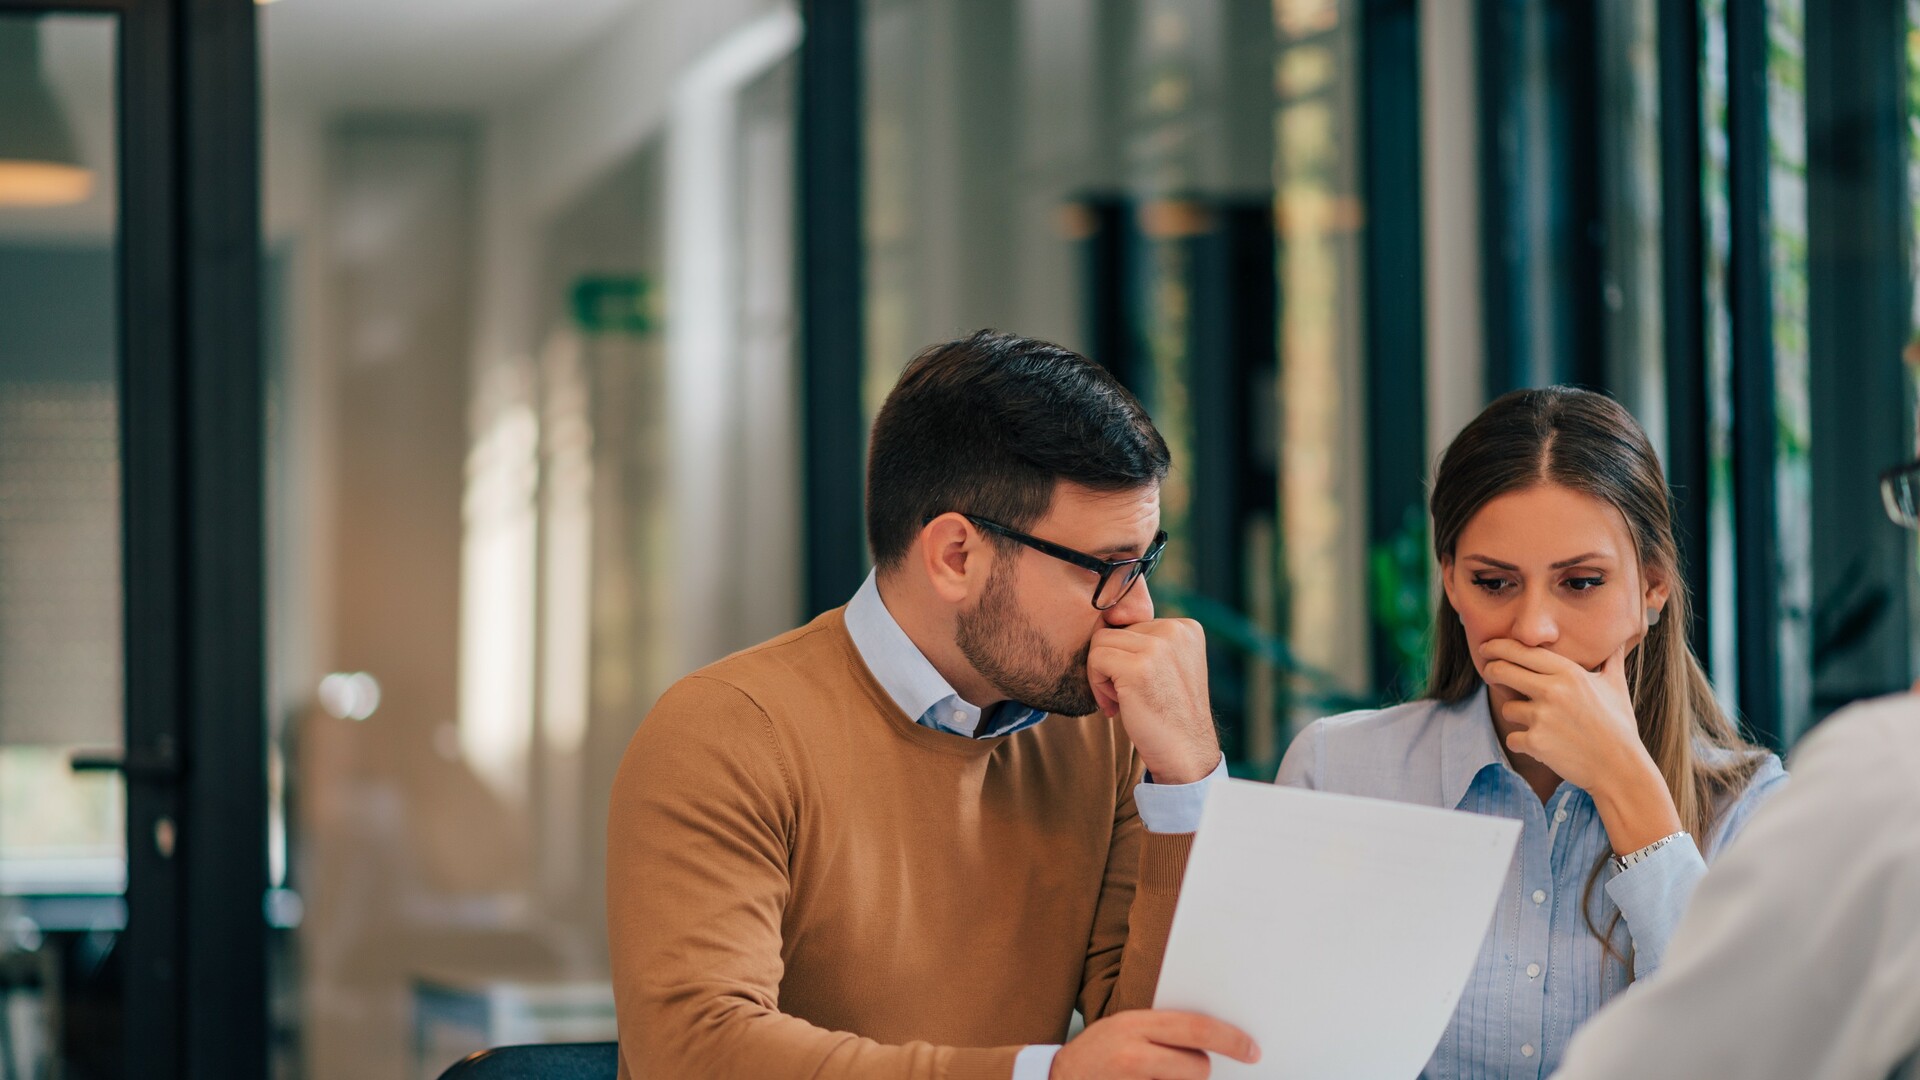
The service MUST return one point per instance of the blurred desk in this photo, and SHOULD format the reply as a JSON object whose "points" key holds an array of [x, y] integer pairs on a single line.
{"points": [[458, 1013], [59, 991], [70, 914]]}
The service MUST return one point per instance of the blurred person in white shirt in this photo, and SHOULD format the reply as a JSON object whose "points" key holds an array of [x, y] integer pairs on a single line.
{"points": [[1799, 957]]}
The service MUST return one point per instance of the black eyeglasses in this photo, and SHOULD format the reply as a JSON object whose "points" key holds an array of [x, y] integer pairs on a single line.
{"points": [[1900, 493], [1117, 576]]}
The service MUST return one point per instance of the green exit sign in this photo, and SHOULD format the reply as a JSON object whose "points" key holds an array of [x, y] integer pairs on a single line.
{"points": [[614, 304]]}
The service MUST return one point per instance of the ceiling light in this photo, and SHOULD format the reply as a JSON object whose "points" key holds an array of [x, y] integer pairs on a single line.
{"points": [[38, 163]]}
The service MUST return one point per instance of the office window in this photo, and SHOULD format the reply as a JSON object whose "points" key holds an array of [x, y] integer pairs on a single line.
{"points": [[1171, 187]]}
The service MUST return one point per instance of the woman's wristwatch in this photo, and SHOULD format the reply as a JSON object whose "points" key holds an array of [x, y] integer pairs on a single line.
{"points": [[1626, 862]]}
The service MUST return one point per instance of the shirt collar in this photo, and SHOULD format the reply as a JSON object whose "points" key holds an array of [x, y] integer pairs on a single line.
{"points": [[902, 670], [1468, 746]]}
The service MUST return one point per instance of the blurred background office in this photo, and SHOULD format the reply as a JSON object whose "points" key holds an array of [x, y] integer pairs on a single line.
{"points": [[395, 398]]}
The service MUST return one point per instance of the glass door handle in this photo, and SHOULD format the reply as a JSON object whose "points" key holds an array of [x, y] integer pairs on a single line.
{"points": [[149, 765]]}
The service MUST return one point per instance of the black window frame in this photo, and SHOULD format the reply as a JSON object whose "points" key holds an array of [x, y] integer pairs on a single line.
{"points": [[194, 951]]}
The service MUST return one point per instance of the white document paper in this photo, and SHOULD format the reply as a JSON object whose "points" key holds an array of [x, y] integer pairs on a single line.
{"points": [[1337, 931]]}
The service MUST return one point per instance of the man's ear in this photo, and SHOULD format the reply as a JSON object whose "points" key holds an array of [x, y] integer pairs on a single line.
{"points": [[956, 558]]}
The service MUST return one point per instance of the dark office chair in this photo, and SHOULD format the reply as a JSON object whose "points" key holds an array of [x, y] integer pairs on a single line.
{"points": [[555, 1061]]}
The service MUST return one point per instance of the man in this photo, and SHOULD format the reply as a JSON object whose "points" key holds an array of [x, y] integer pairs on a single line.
{"points": [[909, 838], [1799, 957]]}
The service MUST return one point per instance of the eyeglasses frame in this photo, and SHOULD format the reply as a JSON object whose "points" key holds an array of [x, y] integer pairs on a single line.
{"points": [[1091, 563], [1891, 484]]}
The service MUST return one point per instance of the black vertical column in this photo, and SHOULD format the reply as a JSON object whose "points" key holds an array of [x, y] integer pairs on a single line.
{"points": [[1232, 356], [1858, 229], [1749, 297], [1540, 213], [223, 834], [192, 418], [1683, 301], [152, 551], [1396, 319], [832, 299], [1576, 223], [1499, 44], [1105, 255]]}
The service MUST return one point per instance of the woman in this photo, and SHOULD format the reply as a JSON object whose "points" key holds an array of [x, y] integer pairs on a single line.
{"points": [[1563, 694]]}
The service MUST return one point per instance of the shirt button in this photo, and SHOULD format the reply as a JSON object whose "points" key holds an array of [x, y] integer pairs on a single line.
{"points": [[1560, 815], [959, 717], [1539, 896], [1527, 1050], [1533, 971]]}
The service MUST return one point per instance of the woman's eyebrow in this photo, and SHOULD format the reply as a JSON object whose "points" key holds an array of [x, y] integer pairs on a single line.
{"points": [[1591, 556], [1496, 563]]}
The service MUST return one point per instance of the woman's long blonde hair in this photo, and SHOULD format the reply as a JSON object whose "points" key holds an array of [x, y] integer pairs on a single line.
{"points": [[1587, 442]]}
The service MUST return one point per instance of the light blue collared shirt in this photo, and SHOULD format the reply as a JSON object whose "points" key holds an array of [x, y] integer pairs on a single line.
{"points": [[1541, 971], [915, 685]]}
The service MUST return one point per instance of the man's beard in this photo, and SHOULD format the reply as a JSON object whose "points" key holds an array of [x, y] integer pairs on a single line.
{"points": [[1001, 644]]}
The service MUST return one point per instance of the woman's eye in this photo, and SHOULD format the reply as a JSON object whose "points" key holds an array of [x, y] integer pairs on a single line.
{"points": [[1582, 584], [1492, 585]]}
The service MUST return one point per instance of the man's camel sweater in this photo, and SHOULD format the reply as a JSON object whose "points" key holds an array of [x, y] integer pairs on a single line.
{"points": [[802, 882]]}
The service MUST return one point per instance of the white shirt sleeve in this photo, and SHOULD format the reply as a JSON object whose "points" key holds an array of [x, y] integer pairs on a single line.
{"points": [[1797, 957]]}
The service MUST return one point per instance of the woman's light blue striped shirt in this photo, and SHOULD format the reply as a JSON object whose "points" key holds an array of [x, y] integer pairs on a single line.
{"points": [[1541, 971]]}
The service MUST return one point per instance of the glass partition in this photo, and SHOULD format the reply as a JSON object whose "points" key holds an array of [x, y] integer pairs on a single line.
{"points": [[533, 455], [62, 825]]}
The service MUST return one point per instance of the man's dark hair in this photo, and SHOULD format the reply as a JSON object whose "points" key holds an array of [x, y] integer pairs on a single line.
{"points": [[986, 426]]}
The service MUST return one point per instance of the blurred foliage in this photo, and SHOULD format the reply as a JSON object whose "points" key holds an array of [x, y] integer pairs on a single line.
{"points": [[1311, 687], [1402, 601]]}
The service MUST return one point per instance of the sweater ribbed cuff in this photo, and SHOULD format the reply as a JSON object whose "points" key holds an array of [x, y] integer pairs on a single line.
{"points": [[1163, 862], [987, 1063]]}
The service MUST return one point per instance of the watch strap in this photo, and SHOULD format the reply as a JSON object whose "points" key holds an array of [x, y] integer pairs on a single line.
{"points": [[1626, 862]]}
